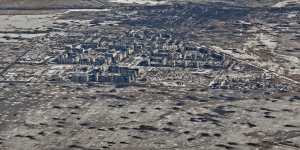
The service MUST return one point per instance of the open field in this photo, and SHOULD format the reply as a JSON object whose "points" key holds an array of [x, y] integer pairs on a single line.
{"points": [[149, 75]]}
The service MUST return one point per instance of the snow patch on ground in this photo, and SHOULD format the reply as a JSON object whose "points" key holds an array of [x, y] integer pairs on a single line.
{"points": [[293, 14], [87, 10], [110, 23], [242, 56], [73, 21], [285, 3], [268, 41], [147, 2], [13, 37]]}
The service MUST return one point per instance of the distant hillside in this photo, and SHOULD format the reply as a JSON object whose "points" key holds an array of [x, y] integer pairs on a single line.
{"points": [[48, 4], [244, 3], [59, 4]]}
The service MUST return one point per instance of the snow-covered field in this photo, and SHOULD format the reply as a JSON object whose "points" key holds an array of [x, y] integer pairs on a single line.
{"points": [[25, 22], [11, 37]]}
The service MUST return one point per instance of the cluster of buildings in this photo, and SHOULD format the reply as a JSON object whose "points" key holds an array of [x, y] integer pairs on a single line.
{"points": [[250, 81], [93, 54], [188, 57], [114, 74], [163, 49], [98, 62], [102, 58]]}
